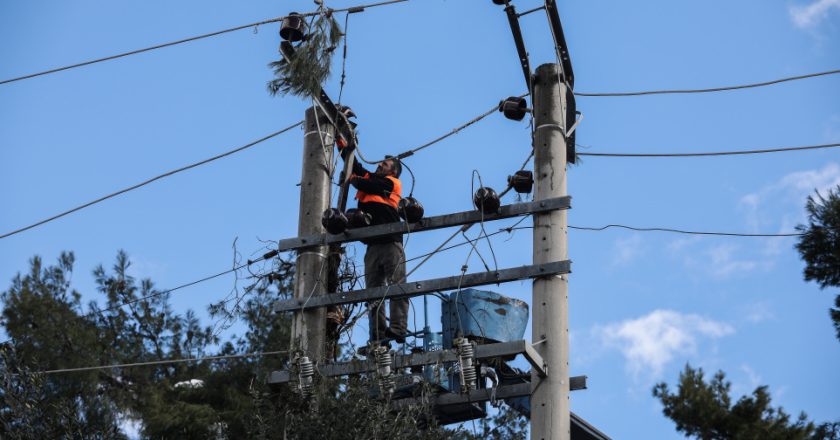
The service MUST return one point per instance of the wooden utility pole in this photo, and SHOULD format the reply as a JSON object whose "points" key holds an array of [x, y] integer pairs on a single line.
{"points": [[312, 266], [550, 330]]}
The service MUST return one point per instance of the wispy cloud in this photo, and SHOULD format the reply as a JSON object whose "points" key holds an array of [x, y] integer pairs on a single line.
{"points": [[652, 341], [758, 312], [723, 262], [627, 249], [788, 194], [808, 16]]}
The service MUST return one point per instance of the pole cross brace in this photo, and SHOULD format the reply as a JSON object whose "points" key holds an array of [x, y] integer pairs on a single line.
{"points": [[426, 224], [483, 351], [415, 288]]}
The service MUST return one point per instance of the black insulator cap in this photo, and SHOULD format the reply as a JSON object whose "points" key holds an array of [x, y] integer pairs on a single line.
{"points": [[411, 210], [334, 221], [486, 200], [522, 181], [499, 2], [514, 108], [293, 28], [356, 218]]}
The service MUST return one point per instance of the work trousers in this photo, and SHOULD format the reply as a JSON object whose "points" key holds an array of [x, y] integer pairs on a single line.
{"points": [[384, 266]]}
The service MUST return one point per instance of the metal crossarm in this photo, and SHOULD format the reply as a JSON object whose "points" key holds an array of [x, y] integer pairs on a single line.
{"points": [[485, 394], [483, 351], [414, 288], [426, 224]]}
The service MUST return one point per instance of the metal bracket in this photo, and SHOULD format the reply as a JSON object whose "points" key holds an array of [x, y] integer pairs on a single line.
{"points": [[415, 288], [426, 224], [513, 20], [536, 361], [560, 41]]}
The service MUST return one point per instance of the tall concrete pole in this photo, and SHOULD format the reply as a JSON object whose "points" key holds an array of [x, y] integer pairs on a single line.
{"points": [[312, 268], [550, 326]]}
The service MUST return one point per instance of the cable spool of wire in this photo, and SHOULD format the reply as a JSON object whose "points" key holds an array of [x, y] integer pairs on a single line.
{"points": [[334, 221], [356, 218], [293, 28], [486, 200], [410, 209], [521, 181], [514, 108]]}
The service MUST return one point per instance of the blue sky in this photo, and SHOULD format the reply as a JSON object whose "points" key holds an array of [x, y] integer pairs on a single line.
{"points": [[642, 304]]}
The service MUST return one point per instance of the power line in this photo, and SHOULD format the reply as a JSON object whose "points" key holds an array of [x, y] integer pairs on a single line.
{"points": [[164, 362], [680, 231], [164, 292], [148, 181], [713, 153], [454, 131], [351, 9], [714, 89]]}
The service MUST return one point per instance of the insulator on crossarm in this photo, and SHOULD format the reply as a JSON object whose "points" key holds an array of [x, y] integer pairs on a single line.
{"points": [[466, 360], [356, 218], [486, 200], [334, 221], [522, 181], [514, 108], [384, 362], [293, 28], [306, 376], [410, 209]]}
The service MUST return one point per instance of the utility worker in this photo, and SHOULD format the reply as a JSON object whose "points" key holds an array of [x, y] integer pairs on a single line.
{"points": [[379, 194]]}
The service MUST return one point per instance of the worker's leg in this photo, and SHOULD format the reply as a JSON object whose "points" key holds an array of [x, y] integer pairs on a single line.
{"points": [[375, 276], [398, 307]]}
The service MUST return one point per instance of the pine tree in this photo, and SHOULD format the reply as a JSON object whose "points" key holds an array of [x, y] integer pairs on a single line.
{"points": [[704, 410], [819, 245]]}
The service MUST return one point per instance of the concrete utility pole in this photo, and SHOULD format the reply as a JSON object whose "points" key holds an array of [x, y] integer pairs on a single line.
{"points": [[312, 268], [550, 329]]}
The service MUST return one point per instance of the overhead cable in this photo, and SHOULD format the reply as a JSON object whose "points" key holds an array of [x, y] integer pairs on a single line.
{"points": [[713, 153], [164, 362], [454, 131], [351, 9], [148, 181], [714, 89], [680, 231]]}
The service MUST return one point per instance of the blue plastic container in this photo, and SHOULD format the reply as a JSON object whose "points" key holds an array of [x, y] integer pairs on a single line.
{"points": [[484, 316]]}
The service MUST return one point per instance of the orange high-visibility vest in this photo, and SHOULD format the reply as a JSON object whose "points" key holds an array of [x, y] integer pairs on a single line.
{"points": [[392, 200]]}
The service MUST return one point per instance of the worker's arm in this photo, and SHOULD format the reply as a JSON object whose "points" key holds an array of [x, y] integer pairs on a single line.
{"points": [[373, 184], [358, 169]]}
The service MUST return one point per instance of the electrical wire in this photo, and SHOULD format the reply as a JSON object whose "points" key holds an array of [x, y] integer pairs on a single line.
{"points": [[680, 231], [713, 153], [148, 181], [163, 362], [714, 89], [352, 9], [454, 131]]}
